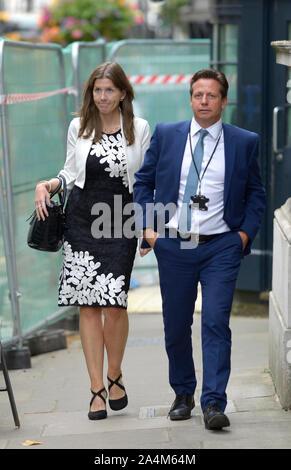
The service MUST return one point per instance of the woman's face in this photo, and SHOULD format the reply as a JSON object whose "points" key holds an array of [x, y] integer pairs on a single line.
{"points": [[106, 96]]}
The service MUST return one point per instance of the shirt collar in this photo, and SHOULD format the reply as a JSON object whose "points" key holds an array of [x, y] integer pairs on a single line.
{"points": [[213, 130]]}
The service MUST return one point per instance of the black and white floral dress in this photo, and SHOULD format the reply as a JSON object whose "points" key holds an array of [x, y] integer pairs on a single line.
{"points": [[96, 271]]}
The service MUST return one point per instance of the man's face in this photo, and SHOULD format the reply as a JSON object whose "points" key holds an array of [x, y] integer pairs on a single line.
{"points": [[207, 102]]}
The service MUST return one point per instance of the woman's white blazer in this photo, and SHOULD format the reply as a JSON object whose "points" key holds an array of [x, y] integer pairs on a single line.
{"points": [[78, 148]]}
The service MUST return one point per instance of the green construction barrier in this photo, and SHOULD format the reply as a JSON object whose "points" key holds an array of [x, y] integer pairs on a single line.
{"points": [[160, 102], [36, 133], [6, 318], [81, 58]]}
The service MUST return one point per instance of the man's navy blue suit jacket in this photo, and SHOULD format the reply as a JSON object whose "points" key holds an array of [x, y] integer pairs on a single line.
{"points": [[158, 179]]}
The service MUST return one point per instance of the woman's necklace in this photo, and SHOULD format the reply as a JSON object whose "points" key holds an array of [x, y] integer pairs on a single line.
{"points": [[111, 130]]}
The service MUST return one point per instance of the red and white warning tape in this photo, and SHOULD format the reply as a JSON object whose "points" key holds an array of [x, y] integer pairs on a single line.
{"points": [[159, 79], [134, 79], [21, 97]]}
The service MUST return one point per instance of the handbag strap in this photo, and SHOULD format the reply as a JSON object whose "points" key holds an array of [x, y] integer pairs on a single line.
{"points": [[62, 195], [57, 188]]}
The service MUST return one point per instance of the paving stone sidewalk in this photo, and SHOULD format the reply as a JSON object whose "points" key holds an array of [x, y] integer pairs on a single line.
{"points": [[53, 396]]}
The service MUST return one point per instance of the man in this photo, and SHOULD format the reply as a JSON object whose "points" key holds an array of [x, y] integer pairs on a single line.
{"points": [[208, 169]]}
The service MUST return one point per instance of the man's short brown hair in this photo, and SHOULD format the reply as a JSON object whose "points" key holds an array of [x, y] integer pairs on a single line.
{"points": [[214, 75]]}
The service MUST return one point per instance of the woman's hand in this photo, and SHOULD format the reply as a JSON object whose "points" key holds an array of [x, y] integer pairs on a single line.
{"points": [[42, 197]]}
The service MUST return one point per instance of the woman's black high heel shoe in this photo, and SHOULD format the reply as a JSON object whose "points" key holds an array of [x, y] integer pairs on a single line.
{"points": [[119, 403], [101, 414]]}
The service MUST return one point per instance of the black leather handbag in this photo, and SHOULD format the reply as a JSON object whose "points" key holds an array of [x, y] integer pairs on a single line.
{"points": [[47, 235]]}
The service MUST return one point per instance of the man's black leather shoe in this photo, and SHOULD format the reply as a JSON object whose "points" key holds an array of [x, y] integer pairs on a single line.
{"points": [[182, 406], [214, 418]]}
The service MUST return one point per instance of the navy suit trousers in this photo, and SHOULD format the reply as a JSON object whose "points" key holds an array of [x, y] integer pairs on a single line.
{"points": [[215, 264]]}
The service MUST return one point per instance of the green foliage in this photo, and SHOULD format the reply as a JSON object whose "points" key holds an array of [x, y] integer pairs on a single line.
{"points": [[170, 11], [66, 21]]}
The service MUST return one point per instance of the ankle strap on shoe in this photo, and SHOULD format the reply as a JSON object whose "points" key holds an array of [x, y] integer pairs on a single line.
{"points": [[115, 382], [98, 394]]}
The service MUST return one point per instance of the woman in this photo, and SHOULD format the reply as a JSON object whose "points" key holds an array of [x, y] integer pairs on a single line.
{"points": [[105, 147]]}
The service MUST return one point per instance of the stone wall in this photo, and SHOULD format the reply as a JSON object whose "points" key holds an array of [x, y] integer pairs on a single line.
{"points": [[280, 306]]}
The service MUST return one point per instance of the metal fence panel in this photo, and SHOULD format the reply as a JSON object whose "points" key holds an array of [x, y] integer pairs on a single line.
{"points": [[81, 58], [35, 137], [158, 101], [6, 317]]}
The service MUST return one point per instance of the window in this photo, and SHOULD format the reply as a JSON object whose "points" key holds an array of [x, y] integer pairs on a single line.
{"points": [[224, 58]]}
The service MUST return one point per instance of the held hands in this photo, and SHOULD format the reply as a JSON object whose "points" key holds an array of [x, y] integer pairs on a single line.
{"points": [[143, 251], [150, 235]]}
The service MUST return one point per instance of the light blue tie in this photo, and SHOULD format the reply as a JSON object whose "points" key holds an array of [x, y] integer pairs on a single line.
{"points": [[191, 184]]}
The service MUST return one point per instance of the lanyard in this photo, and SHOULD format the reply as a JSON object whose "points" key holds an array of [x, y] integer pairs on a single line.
{"points": [[210, 158]]}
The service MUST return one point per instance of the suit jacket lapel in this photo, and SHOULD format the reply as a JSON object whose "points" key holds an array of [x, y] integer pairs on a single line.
{"points": [[179, 147], [229, 158], [177, 141]]}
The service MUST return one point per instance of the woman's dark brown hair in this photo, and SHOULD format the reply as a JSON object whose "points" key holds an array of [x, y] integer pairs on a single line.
{"points": [[89, 113]]}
